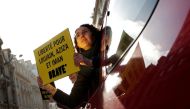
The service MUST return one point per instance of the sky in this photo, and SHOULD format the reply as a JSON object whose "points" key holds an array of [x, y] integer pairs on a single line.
{"points": [[27, 24]]}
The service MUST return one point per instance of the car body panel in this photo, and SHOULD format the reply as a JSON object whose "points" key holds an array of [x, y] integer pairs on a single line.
{"points": [[154, 72]]}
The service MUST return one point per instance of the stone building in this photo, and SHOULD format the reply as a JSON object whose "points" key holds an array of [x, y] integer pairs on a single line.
{"points": [[7, 86], [18, 85], [27, 91]]}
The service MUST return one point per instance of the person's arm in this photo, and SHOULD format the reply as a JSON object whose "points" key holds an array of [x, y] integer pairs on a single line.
{"points": [[80, 90], [79, 59], [58, 95], [51, 89]]}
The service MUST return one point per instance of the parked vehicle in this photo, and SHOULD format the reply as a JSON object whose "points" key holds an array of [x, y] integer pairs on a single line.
{"points": [[152, 40]]}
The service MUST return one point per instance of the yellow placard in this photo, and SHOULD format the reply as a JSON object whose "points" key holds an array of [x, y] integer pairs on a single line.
{"points": [[54, 59]]}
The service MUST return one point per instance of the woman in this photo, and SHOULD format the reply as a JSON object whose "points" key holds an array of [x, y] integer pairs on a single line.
{"points": [[106, 34], [87, 41]]}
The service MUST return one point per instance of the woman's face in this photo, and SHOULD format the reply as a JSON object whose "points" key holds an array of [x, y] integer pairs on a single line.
{"points": [[84, 38]]}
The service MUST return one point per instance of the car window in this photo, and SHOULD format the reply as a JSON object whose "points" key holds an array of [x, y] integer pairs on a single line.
{"points": [[127, 19]]}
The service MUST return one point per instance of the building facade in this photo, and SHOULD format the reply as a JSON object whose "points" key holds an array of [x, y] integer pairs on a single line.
{"points": [[18, 84], [27, 90], [7, 86]]}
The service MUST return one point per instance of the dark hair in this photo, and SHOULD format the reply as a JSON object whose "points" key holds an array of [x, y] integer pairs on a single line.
{"points": [[95, 34]]}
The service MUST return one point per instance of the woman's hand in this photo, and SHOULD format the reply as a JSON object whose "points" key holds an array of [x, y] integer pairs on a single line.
{"points": [[47, 87], [79, 59]]}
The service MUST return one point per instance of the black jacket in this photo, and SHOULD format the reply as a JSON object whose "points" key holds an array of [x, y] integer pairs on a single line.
{"points": [[85, 85]]}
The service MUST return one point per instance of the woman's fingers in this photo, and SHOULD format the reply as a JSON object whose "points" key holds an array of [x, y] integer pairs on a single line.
{"points": [[78, 59]]}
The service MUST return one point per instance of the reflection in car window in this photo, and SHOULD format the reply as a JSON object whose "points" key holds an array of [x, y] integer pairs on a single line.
{"points": [[127, 19]]}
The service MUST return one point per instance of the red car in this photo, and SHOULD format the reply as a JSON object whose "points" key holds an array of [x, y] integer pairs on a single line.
{"points": [[152, 40]]}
